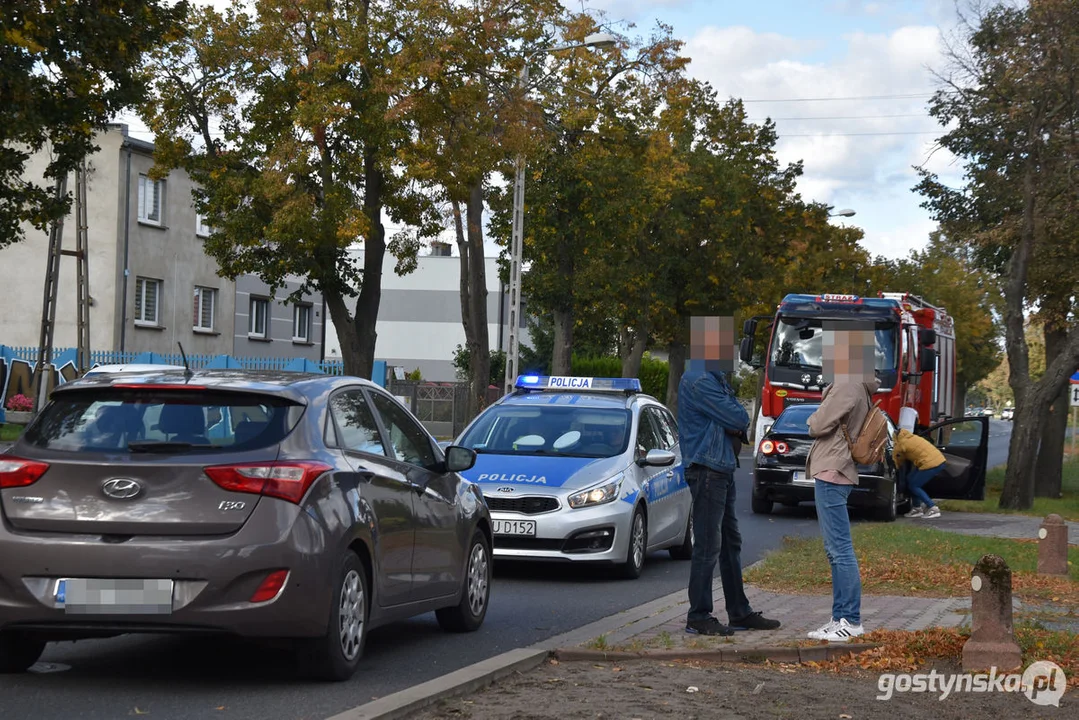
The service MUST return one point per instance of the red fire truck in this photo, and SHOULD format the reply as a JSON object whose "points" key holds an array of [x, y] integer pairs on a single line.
{"points": [[915, 354]]}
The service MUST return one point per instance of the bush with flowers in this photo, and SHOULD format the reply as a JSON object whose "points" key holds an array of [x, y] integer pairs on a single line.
{"points": [[20, 403]]}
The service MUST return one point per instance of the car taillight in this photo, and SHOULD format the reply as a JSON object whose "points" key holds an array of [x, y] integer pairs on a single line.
{"points": [[782, 448], [288, 480], [16, 472], [768, 447], [270, 587]]}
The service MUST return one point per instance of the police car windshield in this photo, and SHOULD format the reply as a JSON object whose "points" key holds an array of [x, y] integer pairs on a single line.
{"points": [[563, 430]]}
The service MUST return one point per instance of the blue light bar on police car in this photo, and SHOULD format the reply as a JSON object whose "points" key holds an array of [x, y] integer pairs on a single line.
{"points": [[565, 382]]}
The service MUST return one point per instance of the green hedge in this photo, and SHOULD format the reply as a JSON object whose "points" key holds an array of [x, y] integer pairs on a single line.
{"points": [[653, 373]]}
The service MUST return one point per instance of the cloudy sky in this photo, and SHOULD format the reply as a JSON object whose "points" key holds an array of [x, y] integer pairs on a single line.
{"points": [[847, 82]]}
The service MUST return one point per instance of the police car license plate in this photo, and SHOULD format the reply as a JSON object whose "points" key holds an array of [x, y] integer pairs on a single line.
{"points": [[799, 478], [101, 596], [515, 527]]}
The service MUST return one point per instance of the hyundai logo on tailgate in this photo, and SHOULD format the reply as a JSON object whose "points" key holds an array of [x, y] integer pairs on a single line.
{"points": [[121, 488]]}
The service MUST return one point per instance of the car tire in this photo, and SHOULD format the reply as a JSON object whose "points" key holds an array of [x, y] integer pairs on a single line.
{"points": [[761, 506], [336, 655], [890, 510], [637, 547], [468, 614], [18, 652], [685, 550]]}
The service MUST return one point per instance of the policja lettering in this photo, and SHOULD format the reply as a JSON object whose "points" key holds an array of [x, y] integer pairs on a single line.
{"points": [[504, 478]]}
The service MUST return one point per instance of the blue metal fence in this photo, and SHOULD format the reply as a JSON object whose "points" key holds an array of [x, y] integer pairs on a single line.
{"points": [[195, 361]]}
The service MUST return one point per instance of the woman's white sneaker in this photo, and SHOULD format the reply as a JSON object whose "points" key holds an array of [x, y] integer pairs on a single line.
{"points": [[933, 512], [843, 631], [823, 632]]}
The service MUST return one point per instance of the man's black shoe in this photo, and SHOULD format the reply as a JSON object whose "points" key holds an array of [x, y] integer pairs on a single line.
{"points": [[708, 626], [754, 621]]}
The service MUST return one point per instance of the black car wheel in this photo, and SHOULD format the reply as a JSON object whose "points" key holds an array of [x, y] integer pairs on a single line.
{"points": [[761, 505], [336, 655], [18, 651], [638, 546], [468, 614], [890, 509], [685, 550]]}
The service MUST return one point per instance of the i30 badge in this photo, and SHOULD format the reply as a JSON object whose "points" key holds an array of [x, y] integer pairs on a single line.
{"points": [[121, 488]]}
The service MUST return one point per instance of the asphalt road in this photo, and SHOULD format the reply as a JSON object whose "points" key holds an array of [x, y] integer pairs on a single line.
{"points": [[189, 678]]}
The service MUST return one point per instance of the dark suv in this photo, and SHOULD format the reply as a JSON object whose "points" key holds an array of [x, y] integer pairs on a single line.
{"points": [[258, 504]]}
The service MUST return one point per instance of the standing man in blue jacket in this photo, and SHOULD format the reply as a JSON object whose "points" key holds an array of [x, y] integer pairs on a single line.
{"points": [[711, 428]]}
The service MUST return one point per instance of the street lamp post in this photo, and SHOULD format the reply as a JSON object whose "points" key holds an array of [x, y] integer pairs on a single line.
{"points": [[597, 40]]}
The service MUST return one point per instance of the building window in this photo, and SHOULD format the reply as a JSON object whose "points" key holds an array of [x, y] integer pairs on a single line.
{"points": [[301, 323], [201, 228], [151, 199], [147, 292], [205, 308], [257, 318]]}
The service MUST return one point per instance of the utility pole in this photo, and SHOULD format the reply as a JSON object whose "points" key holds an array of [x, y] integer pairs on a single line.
{"points": [[52, 285]]}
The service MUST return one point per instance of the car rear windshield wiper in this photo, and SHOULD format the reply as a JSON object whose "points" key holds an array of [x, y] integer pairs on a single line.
{"points": [[165, 446]]}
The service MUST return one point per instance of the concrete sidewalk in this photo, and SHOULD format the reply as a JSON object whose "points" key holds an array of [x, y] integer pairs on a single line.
{"points": [[1012, 527]]}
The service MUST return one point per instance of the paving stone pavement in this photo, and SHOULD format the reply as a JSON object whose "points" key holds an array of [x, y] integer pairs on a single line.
{"points": [[798, 613]]}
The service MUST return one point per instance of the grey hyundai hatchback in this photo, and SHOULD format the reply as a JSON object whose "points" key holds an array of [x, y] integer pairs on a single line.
{"points": [[274, 505]]}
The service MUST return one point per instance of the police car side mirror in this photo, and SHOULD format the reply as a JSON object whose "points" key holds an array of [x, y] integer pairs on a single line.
{"points": [[459, 459], [657, 458]]}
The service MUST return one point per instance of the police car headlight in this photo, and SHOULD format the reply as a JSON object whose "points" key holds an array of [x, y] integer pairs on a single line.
{"points": [[598, 495]]}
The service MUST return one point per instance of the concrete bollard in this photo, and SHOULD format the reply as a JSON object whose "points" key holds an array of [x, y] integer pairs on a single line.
{"points": [[1053, 546], [992, 640]]}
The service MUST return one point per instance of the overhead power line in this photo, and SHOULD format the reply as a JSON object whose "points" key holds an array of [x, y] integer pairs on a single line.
{"points": [[852, 117], [832, 99], [828, 134]]}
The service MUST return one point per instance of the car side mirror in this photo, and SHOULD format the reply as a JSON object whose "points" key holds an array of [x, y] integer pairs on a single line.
{"points": [[459, 459], [745, 352], [928, 361], [657, 458]]}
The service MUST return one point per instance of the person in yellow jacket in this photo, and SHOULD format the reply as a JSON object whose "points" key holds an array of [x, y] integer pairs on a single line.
{"points": [[928, 461]]}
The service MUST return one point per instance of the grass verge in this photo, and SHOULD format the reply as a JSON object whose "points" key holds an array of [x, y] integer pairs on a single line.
{"points": [[903, 651], [10, 432], [1067, 506], [901, 559]]}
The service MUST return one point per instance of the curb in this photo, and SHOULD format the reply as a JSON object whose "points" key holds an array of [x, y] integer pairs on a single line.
{"points": [[404, 703], [817, 653], [473, 677]]}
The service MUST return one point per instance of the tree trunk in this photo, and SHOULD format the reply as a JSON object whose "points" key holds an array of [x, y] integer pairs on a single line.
{"points": [[346, 334], [676, 360], [562, 360], [374, 252], [1049, 467], [474, 298], [632, 344]]}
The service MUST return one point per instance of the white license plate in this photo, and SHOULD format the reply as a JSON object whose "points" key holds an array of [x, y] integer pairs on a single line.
{"points": [[103, 596], [515, 527], [799, 478]]}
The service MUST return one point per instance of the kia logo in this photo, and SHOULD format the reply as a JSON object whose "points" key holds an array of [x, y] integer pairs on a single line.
{"points": [[505, 489], [121, 488]]}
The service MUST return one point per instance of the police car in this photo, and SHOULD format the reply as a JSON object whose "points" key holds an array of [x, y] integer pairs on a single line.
{"points": [[581, 469]]}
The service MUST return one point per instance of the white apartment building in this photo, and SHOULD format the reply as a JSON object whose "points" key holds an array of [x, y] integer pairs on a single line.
{"points": [[419, 319]]}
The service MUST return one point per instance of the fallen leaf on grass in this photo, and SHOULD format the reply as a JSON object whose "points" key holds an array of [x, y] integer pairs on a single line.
{"points": [[844, 717], [692, 689], [757, 690], [554, 662], [141, 712]]}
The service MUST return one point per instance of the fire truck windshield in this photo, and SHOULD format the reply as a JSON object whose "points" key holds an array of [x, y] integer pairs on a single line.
{"points": [[797, 345]]}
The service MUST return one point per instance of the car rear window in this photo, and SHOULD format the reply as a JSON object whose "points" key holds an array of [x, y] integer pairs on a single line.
{"points": [[112, 420], [794, 420]]}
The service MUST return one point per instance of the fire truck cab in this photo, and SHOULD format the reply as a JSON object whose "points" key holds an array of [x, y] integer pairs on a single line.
{"points": [[915, 354]]}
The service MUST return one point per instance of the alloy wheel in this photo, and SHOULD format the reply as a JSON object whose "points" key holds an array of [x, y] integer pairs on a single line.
{"points": [[351, 613], [638, 539], [477, 579]]}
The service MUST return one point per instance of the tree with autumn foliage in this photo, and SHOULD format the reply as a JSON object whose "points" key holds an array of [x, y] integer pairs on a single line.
{"points": [[289, 120], [1013, 102], [68, 67]]}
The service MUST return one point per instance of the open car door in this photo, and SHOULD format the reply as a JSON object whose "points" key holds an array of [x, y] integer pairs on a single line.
{"points": [[965, 445]]}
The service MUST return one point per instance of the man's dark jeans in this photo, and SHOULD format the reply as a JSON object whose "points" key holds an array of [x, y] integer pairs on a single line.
{"points": [[715, 536]]}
